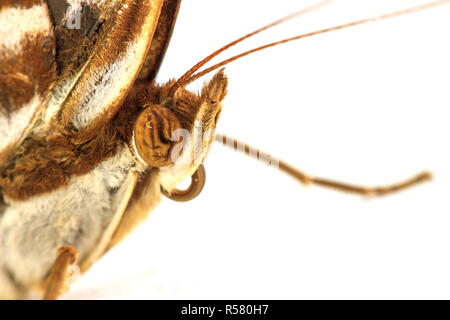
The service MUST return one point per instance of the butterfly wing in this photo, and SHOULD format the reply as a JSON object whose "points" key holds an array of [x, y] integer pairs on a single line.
{"points": [[160, 40], [101, 47], [27, 67], [95, 21]]}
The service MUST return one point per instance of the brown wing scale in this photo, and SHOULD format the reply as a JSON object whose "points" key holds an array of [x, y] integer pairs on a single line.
{"points": [[161, 40], [27, 68], [99, 61], [97, 64]]}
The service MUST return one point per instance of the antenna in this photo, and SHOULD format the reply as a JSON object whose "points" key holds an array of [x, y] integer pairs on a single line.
{"points": [[310, 180], [313, 33], [183, 79]]}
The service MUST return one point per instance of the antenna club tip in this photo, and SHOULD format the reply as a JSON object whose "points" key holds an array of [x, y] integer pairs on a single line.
{"points": [[426, 176]]}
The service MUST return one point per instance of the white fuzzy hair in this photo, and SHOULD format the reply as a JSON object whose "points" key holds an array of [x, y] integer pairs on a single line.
{"points": [[31, 231]]}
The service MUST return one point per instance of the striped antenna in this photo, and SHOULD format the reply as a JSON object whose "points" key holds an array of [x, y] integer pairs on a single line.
{"points": [[310, 180]]}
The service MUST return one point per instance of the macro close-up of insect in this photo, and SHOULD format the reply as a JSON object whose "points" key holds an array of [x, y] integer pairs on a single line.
{"points": [[102, 121]]}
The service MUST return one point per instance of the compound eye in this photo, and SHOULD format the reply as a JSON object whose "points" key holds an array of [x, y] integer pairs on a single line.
{"points": [[153, 135]]}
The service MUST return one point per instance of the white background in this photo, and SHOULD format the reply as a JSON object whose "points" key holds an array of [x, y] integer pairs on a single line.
{"points": [[367, 105]]}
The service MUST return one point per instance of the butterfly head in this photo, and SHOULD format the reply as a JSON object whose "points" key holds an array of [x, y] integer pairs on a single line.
{"points": [[175, 134]]}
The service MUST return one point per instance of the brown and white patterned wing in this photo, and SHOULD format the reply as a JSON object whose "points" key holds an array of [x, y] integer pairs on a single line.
{"points": [[101, 47], [160, 40], [27, 67]]}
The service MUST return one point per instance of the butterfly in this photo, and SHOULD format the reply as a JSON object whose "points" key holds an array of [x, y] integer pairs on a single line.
{"points": [[133, 167]]}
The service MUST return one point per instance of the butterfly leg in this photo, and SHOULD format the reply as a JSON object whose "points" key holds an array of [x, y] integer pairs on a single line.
{"points": [[61, 272]]}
